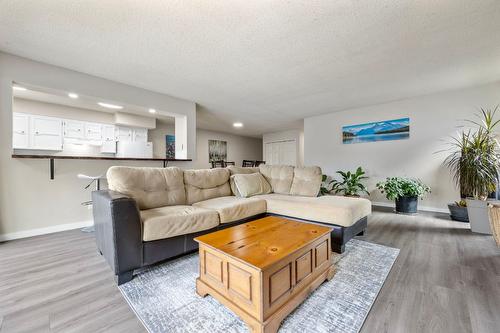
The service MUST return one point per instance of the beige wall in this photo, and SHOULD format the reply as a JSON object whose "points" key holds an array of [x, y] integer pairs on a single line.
{"points": [[28, 198], [238, 147], [433, 120]]}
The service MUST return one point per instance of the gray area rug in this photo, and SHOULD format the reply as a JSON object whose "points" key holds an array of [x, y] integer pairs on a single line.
{"points": [[164, 297]]}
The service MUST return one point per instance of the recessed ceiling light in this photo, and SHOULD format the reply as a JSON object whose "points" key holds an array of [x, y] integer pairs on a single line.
{"points": [[73, 95], [238, 124], [19, 88], [110, 106], [152, 111]]}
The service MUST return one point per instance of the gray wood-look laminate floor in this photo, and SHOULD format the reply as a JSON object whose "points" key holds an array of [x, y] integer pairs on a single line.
{"points": [[446, 279]]}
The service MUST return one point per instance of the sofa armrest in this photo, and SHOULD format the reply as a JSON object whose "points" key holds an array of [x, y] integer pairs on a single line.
{"points": [[118, 231]]}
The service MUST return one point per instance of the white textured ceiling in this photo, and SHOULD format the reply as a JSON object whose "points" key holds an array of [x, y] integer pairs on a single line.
{"points": [[266, 63]]}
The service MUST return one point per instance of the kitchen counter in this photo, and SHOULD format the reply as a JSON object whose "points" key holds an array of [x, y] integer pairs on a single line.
{"points": [[51, 159]]}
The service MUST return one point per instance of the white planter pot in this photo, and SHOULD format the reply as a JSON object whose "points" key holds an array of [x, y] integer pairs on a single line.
{"points": [[478, 216]]}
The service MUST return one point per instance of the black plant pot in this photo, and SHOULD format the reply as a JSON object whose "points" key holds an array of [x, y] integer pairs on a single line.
{"points": [[407, 205], [458, 213]]}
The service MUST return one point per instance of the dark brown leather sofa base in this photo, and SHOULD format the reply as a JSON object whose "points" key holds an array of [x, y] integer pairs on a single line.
{"points": [[119, 236]]}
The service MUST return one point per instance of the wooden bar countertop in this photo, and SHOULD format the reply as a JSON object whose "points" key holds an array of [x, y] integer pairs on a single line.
{"points": [[63, 157]]}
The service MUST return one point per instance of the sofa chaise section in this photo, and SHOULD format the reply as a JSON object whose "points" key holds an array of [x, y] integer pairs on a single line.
{"points": [[347, 216]]}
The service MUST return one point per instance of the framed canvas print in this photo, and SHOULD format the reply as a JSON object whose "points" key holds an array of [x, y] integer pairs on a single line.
{"points": [[396, 129], [217, 150], [170, 146]]}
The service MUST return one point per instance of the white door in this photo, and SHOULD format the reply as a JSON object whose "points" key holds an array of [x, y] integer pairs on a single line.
{"points": [[46, 133], [281, 152], [288, 153], [20, 131], [74, 129], [108, 139], [124, 134], [140, 135], [93, 132]]}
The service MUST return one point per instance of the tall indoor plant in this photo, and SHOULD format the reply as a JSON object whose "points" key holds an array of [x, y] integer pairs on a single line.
{"points": [[405, 192], [474, 163]]}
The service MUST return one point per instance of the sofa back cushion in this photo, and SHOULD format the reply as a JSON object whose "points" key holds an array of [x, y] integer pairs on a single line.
{"points": [[149, 187], [248, 185], [279, 176], [206, 184], [306, 181], [236, 170]]}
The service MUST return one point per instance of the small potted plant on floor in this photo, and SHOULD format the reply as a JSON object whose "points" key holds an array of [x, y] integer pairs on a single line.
{"points": [[474, 162], [350, 185], [458, 211], [405, 192]]}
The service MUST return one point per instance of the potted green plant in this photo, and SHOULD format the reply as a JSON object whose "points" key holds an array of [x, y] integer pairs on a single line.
{"points": [[325, 186], [405, 192], [350, 185], [458, 211], [474, 162]]}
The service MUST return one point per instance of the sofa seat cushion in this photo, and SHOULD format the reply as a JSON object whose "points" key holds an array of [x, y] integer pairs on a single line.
{"points": [[171, 221], [232, 208], [337, 210]]}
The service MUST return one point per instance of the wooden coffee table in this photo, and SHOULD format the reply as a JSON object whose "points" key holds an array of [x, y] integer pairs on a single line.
{"points": [[264, 269]]}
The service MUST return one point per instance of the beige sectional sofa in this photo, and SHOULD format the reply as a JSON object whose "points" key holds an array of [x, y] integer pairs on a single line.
{"points": [[152, 214]]}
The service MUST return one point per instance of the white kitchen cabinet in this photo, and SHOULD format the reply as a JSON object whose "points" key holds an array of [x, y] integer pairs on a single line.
{"points": [[140, 135], [124, 134], [108, 139], [93, 132], [129, 134], [74, 129], [108, 133], [46, 133], [20, 131]]}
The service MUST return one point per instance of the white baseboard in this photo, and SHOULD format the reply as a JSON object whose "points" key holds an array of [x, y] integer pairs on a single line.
{"points": [[423, 208], [44, 231]]}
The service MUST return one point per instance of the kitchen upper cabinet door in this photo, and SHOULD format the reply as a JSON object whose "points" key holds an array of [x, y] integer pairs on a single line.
{"points": [[140, 135], [108, 133], [108, 139], [124, 134], [74, 129], [20, 131], [46, 133], [93, 132]]}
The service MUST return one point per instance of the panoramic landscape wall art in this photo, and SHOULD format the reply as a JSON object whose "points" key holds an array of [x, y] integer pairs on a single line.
{"points": [[396, 129]]}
